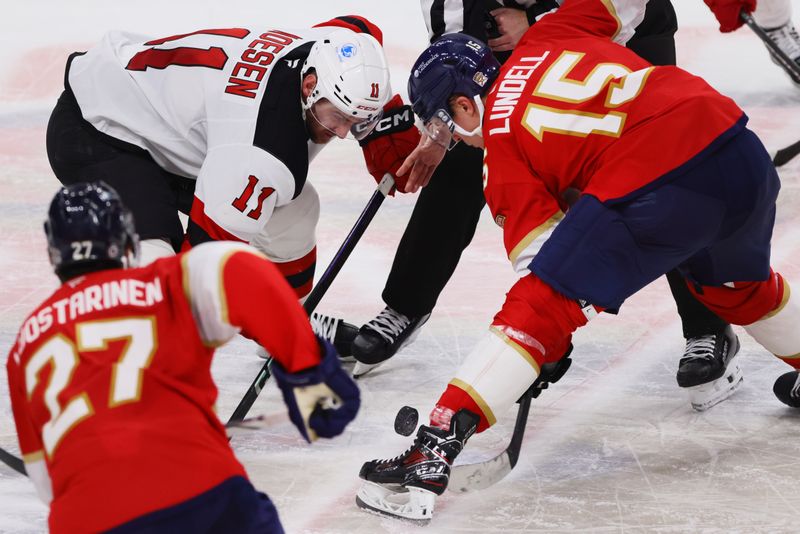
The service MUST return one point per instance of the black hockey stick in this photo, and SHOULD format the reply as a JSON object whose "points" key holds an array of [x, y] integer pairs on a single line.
{"points": [[13, 462], [481, 475], [234, 428], [236, 421], [383, 189], [781, 56], [784, 155]]}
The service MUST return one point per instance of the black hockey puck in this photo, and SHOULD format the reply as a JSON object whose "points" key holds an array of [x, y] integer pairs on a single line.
{"points": [[405, 423]]}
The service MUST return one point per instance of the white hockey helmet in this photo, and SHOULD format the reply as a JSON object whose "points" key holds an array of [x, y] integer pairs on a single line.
{"points": [[352, 75]]}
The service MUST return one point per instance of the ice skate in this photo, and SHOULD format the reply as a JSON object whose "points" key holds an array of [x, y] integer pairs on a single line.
{"points": [[709, 369], [788, 40], [382, 337], [407, 485], [334, 330], [787, 388]]}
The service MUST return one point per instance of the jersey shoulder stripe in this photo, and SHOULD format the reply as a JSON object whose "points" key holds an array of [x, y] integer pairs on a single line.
{"points": [[280, 129]]}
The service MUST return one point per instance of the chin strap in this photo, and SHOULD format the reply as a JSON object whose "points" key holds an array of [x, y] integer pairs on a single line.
{"points": [[478, 130]]}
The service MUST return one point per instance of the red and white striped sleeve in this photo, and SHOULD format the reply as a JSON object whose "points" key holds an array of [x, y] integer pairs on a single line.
{"points": [[232, 288]]}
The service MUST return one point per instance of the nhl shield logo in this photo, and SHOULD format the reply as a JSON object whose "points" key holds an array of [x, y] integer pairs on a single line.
{"points": [[480, 78], [500, 220]]}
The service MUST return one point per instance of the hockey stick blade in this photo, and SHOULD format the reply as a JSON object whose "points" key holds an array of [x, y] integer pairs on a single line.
{"points": [[481, 475], [785, 155], [244, 426], [375, 201], [13, 462]]}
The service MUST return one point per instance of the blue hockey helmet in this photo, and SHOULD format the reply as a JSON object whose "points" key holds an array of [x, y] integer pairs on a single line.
{"points": [[89, 228], [456, 64]]}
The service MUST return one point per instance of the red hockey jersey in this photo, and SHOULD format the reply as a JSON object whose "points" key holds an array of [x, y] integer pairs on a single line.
{"points": [[111, 385], [572, 109]]}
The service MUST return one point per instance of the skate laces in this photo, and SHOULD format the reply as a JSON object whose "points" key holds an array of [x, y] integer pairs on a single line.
{"points": [[421, 439], [324, 326], [402, 454], [701, 347], [787, 39], [389, 324]]}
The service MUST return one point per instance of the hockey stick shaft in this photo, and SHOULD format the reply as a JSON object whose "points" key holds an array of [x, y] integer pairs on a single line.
{"points": [[13, 462], [481, 475], [383, 189], [349, 243], [519, 428], [783, 155], [779, 54]]}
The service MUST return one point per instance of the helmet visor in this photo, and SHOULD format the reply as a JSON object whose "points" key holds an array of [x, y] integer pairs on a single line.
{"points": [[440, 128]]}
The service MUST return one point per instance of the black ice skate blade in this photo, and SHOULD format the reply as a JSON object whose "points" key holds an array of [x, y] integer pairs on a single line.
{"points": [[371, 509]]}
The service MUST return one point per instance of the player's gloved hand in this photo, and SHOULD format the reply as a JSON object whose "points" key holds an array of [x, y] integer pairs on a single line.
{"points": [[321, 400], [390, 142], [727, 12]]}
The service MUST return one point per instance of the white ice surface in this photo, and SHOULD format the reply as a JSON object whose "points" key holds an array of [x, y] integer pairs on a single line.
{"points": [[615, 447]]}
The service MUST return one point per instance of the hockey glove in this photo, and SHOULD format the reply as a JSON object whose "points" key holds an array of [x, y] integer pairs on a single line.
{"points": [[727, 12], [390, 142], [321, 400]]}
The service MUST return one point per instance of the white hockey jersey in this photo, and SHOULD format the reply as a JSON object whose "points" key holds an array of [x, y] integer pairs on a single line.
{"points": [[221, 105]]}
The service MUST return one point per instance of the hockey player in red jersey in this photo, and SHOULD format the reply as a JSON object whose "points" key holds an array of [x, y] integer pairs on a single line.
{"points": [[665, 175], [221, 125], [110, 377]]}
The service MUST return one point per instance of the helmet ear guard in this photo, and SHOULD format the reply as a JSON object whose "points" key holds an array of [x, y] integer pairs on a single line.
{"points": [[352, 74], [89, 228]]}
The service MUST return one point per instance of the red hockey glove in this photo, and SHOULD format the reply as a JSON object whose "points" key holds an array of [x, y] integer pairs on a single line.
{"points": [[727, 12], [390, 142]]}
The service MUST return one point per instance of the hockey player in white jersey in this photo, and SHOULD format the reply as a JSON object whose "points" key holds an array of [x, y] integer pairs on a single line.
{"points": [[773, 16], [221, 125]]}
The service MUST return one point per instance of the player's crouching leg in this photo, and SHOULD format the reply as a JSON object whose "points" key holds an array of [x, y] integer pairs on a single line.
{"points": [[232, 507], [778, 332], [770, 313], [496, 373]]}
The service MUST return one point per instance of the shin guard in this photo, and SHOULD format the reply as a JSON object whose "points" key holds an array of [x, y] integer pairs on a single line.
{"points": [[778, 331]]}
